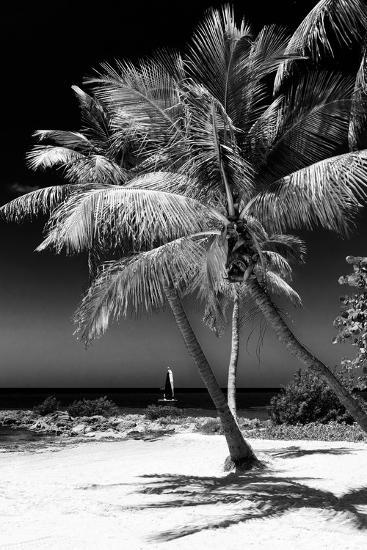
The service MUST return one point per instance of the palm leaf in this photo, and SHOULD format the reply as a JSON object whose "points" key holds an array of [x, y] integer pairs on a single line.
{"points": [[40, 201], [252, 79], [218, 47], [290, 247], [212, 153], [277, 262], [113, 216], [275, 284], [96, 168], [95, 119], [146, 94], [312, 124], [50, 156], [136, 284], [358, 118], [328, 23], [63, 138], [327, 193], [161, 181]]}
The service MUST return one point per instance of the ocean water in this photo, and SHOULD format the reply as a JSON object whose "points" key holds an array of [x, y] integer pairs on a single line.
{"points": [[196, 402]]}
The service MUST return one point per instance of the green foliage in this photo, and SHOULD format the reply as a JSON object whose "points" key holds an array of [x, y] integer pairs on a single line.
{"points": [[153, 412], [48, 406], [90, 407], [308, 399], [352, 322]]}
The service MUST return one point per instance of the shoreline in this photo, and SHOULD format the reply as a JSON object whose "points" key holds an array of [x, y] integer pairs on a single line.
{"points": [[62, 427]]}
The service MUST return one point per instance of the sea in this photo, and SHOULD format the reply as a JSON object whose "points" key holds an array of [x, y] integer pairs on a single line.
{"points": [[251, 402]]}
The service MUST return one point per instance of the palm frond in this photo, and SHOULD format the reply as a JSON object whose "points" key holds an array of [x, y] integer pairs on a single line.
{"points": [[115, 216], [136, 284], [212, 153], [268, 51], [209, 283], [328, 23], [262, 133], [358, 115], [216, 312], [63, 138], [96, 168], [251, 85], [312, 124], [290, 247], [95, 118], [162, 181], [50, 156], [40, 201], [218, 47], [146, 94], [276, 262], [326, 194], [275, 284]]}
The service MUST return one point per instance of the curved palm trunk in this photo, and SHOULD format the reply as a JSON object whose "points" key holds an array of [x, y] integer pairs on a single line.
{"points": [[235, 346], [241, 454], [295, 347]]}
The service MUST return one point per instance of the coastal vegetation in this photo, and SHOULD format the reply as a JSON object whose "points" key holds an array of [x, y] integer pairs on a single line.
{"points": [[352, 321], [82, 407], [65, 428], [190, 169], [307, 398]]}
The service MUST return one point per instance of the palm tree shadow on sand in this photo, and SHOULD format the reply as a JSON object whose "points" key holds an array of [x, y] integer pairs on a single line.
{"points": [[256, 495], [297, 452]]}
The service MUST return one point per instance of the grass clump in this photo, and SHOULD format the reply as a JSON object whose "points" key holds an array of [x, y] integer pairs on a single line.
{"points": [[101, 406], [153, 412], [48, 406]]}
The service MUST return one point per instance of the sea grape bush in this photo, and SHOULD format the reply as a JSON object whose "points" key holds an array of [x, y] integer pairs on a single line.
{"points": [[352, 322], [90, 407], [48, 406], [307, 399]]}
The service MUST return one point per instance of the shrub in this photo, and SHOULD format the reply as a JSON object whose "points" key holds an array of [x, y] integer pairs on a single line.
{"points": [[249, 423], [210, 426], [48, 406], [90, 407], [306, 399], [153, 412], [332, 431]]}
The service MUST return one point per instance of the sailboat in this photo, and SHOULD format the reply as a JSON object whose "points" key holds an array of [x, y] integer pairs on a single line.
{"points": [[169, 389]]}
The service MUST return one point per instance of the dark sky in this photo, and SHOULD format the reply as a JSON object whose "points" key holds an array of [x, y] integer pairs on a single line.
{"points": [[45, 48]]}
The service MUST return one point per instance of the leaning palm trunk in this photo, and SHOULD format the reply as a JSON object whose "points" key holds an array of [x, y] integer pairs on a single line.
{"points": [[295, 347], [232, 369], [241, 454]]}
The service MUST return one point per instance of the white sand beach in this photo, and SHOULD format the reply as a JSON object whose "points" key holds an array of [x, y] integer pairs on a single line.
{"points": [[172, 493]]}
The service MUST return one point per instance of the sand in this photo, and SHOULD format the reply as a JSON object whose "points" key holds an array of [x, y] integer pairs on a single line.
{"points": [[172, 493]]}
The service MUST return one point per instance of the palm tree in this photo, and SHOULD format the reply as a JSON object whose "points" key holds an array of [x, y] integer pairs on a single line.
{"points": [[90, 160], [281, 164], [209, 129]]}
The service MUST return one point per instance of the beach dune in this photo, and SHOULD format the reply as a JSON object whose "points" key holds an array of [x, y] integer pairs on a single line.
{"points": [[172, 493]]}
